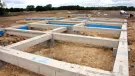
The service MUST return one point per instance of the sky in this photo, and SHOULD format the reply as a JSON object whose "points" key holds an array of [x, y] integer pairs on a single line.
{"points": [[56, 3]]}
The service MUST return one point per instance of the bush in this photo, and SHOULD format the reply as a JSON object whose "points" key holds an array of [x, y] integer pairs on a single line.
{"points": [[16, 10]]}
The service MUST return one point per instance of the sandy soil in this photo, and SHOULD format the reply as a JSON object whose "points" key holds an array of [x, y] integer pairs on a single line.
{"points": [[7, 39], [131, 42], [96, 34], [81, 54], [11, 70], [20, 17]]}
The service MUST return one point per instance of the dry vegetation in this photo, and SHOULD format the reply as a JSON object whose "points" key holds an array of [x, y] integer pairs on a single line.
{"points": [[81, 54]]}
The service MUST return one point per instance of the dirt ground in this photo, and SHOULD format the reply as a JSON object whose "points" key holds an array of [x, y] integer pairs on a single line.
{"points": [[81, 54], [7, 39], [20, 18], [131, 42], [11, 70]]}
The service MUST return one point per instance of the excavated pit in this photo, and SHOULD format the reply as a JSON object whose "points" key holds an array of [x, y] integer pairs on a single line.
{"points": [[76, 53]]}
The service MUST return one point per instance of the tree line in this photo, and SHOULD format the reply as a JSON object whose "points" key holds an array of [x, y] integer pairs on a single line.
{"points": [[72, 7]]}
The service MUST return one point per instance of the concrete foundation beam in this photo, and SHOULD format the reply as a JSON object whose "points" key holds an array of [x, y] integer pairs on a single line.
{"points": [[30, 42], [28, 33], [115, 20], [80, 24], [106, 42], [124, 27], [121, 61], [107, 23], [100, 30], [64, 21], [118, 20], [58, 30], [17, 26], [47, 66], [39, 25]]}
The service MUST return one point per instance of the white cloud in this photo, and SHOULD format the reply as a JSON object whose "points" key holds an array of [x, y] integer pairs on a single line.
{"points": [[55, 3]]}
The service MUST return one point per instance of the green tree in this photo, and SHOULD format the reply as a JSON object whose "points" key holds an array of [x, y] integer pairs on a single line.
{"points": [[39, 8], [48, 7], [131, 8], [30, 8]]}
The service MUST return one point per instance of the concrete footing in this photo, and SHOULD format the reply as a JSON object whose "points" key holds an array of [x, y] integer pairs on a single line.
{"points": [[70, 30], [2, 63], [51, 43], [51, 67]]}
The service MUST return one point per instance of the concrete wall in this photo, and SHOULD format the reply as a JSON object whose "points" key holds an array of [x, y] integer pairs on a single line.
{"points": [[39, 25], [114, 20], [80, 24], [64, 21], [27, 33], [107, 23], [17, 26], [30, 42], [100, 30], [58, 30], [110, 20], [121, 61], [106, 42]]}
